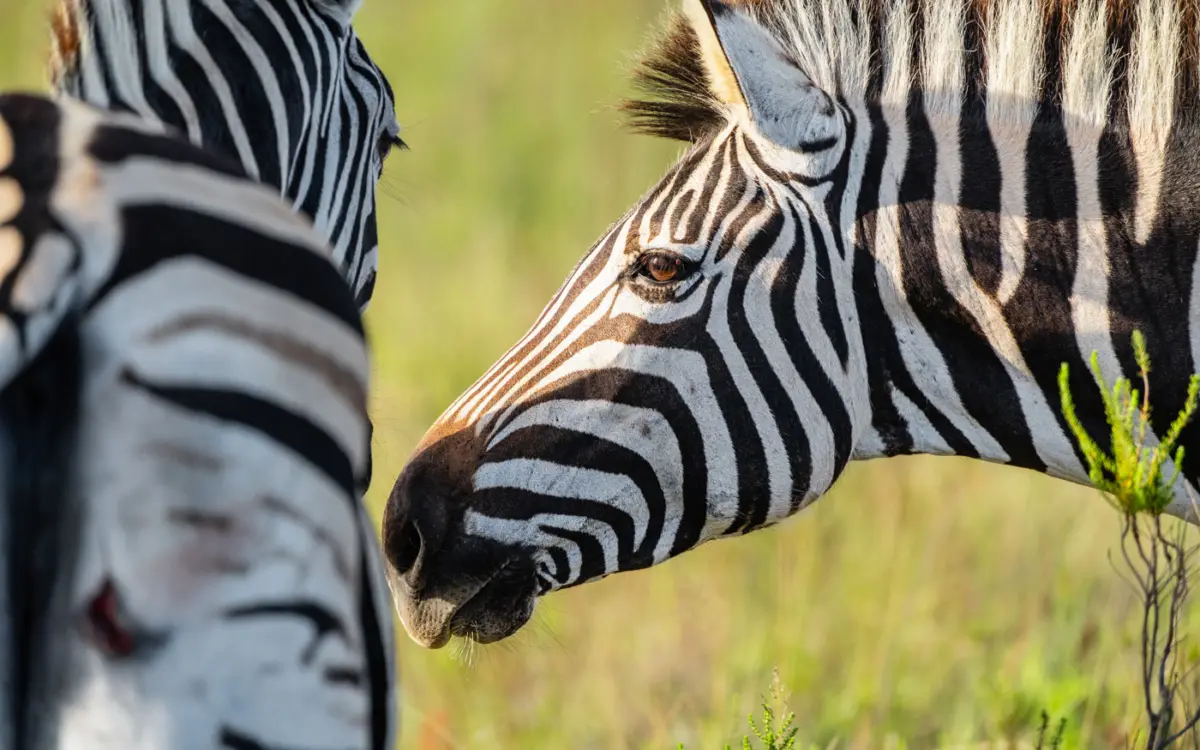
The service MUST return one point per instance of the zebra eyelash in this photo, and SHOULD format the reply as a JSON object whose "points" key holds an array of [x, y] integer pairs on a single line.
{"points": [[389, 142]]}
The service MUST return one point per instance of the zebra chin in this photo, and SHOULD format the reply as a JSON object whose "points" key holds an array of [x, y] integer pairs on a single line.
{"points": [[445, 582]]}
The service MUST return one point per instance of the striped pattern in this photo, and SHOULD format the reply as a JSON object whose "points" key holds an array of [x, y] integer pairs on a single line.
{"points": [[898, 218], [187, 561], [283, 86]]}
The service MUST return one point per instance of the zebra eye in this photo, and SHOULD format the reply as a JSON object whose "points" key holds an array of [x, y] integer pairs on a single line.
{"points": [[662, 268]]}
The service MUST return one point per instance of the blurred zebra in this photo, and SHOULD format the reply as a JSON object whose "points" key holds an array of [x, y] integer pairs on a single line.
{"points": [[284, 86], [897, 220], [183, 420]]}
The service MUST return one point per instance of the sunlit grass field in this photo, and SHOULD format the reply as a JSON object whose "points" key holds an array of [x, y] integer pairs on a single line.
{"points": [[924, 603]]}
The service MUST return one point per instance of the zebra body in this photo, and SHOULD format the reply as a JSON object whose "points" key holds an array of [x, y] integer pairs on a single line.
{"points": [[284, 86], [898, 218], [187, 561]]}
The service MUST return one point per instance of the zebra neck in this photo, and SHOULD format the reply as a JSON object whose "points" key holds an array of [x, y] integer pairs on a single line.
{"points": [[998, 255]]}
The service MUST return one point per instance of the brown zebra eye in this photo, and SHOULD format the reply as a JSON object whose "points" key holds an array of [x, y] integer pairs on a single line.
{"points": [[663, 268]]}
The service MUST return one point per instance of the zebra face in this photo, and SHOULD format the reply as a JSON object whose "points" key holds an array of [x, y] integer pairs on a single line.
{"points": [[695, 377]]}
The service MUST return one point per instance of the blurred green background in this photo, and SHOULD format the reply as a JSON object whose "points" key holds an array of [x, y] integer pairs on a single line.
{"points": [[925, 602]]}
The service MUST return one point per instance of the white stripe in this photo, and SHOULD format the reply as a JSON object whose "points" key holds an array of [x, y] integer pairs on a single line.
{"points": [[158, 61], [150, 181]]}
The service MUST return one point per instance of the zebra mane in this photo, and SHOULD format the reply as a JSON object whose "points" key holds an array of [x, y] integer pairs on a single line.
{"points": [[66, 39], [1100, 61]]}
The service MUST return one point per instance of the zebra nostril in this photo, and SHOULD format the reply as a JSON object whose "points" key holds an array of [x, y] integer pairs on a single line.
{"points": [[407, 547], [414, 522]]}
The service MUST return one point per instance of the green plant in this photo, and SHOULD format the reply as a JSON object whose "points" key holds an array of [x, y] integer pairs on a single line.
{"points": [[774, 733], [781, 737], [1131, 477], [1055, 740]]}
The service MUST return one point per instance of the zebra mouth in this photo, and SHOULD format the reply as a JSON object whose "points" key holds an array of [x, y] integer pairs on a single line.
{"points": [[501, 607]]}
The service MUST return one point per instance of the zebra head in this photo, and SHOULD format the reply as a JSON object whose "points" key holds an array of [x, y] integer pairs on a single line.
{"points": [[285, 87], [700, 374]]}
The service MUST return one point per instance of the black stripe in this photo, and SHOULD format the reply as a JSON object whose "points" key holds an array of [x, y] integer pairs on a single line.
{"points": [[683, 202], [155, 234], [720, 162], [215, 133], [108, 80], [751, 460], [162, 104], [937, 310], [827, 302], [839, 179], [1039, 313], [774, 175], [979, 199], [287, 428], [232, 739], [735, 190], [813, 147], [324, 621], [878, 330], [584, 273], [114, 144], [378, 661], [39, 416], [347, 159]]}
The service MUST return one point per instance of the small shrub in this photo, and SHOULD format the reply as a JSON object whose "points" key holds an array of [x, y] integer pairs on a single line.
{"points": [[774, 733], [1158, 560]]}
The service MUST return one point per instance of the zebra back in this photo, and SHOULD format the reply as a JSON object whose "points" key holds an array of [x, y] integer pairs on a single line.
{"points": [[184, 382]]}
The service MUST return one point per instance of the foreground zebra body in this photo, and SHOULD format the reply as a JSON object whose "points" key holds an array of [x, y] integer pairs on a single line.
{"points": [[283, 86], [897, 221], [184, 412]]}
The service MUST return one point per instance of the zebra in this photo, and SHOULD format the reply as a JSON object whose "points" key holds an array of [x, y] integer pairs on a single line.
{"points": [[895, 221], [183, 390], [286, 87]]}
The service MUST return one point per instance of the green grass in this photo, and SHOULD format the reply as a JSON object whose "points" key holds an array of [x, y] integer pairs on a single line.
{"points": [[925, 602]]}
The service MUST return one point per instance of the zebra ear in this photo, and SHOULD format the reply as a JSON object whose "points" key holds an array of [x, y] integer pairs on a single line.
{"points": [[748, 68], [721, 80], [344, 10]]}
